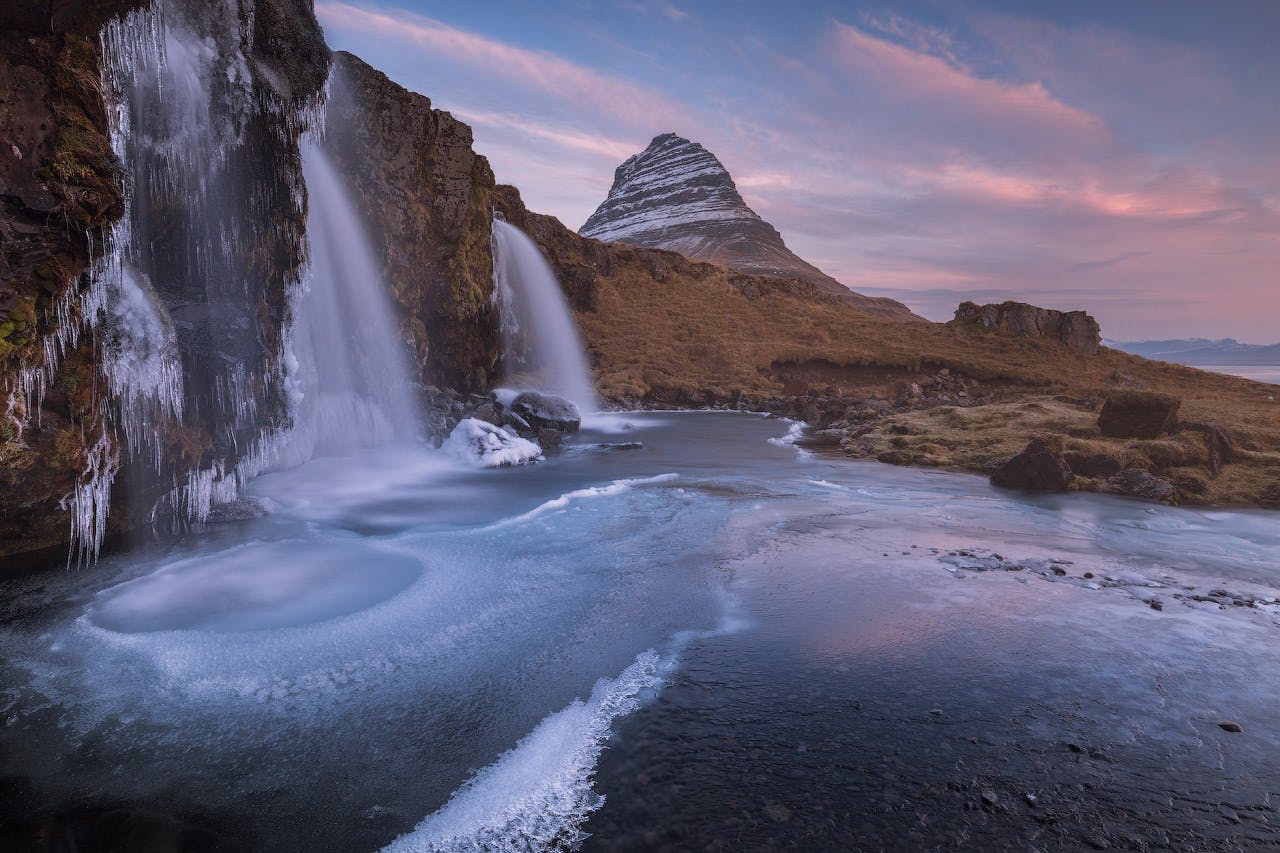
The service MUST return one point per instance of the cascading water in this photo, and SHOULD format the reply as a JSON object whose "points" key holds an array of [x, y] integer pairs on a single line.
{"points": [[214, 336], [540, 339], [352, 382]]}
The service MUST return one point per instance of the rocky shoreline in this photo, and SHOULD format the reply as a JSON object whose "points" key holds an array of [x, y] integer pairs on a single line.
{"points": [[1108, 445]]}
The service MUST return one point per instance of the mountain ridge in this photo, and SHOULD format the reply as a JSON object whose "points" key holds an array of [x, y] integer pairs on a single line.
{"points": [[677, 195], [1203, 351]]}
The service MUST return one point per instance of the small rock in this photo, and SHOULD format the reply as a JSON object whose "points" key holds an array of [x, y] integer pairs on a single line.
{"points": [[990, 798], [1230, 726], [1155, 604]]}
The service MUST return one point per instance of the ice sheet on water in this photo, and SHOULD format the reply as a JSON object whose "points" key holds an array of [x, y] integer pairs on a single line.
{"points": [[256, 586]]}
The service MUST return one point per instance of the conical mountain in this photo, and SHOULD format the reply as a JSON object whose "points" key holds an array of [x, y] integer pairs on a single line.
{"points": [[677, 195]]}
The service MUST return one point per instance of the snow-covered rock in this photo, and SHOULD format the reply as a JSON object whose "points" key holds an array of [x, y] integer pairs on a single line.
{"points": [[489, 446]]}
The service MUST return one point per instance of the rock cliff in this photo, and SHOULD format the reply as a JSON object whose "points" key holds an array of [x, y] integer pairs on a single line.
{"points": [[677, 195], [87, 209], [426, 195], [1076, 329]]}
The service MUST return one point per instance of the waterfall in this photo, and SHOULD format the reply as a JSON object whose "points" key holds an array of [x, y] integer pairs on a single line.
{"points": [[213, 330], [352, 381], [540, 340]]}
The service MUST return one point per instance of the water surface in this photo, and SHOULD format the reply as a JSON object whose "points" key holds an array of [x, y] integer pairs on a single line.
{"points": [[713, 640]]}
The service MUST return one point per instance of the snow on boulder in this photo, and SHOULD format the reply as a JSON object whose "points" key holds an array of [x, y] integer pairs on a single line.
{"points": [[488, 446]]}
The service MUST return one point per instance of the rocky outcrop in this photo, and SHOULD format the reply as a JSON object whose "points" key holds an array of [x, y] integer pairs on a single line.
{"points": [[1075, 329], [426, 195], [677, 195], [1138, 414], [1037, 468]]}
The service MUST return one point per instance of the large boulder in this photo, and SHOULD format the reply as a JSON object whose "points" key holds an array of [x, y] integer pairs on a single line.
{"points": [[1131, 413], [1037, 468], [546, 411], [481, 443]]}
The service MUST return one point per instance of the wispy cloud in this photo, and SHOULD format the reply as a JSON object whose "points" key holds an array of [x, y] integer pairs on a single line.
{"points": [[536, 71], [566, 137], [1002, 157]]}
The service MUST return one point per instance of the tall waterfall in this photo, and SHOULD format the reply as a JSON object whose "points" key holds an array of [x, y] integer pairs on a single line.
{"points": [[352, 385], [541, 343], [217, 336]]}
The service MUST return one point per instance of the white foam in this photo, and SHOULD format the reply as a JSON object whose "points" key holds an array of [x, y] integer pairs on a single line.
{"points": [[614, 488], [537, 795], [794, 432]]}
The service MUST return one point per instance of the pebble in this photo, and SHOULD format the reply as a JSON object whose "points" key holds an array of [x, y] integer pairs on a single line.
{"points": [[1230, 726], [990, 798]]}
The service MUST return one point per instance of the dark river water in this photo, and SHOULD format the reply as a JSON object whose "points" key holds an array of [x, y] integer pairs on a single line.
{"points": [[713, 641]]}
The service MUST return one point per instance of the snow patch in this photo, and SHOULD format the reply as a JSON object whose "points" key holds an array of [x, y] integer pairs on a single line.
{"points": [[481, 443]]}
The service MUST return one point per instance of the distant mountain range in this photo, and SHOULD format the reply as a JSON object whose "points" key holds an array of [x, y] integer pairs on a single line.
{"points": [[677, 195], [1202, 351]]}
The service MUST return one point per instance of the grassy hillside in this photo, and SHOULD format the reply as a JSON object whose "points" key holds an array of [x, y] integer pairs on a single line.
{"points": [[663, 330]]}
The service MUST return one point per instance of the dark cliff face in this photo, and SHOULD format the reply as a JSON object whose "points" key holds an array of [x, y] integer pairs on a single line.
{"points": [[676, 195], [62, 195], [59, 188], [426, 196]]}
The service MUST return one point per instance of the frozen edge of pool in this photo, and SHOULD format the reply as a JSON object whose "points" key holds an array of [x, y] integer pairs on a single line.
{"points": [[538, 794]]}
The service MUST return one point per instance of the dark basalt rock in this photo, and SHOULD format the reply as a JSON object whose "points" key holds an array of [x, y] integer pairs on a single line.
{"points": [[677, 195], [1037, 468], [1138, 414], [1137, 483], [547, 411]]}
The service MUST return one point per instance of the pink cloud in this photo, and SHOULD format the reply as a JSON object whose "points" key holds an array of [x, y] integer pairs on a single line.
{"points": [[613, 150], [929, 79], [536, 71]]}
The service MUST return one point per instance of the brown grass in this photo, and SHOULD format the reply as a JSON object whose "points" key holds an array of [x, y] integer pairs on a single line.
{"points": [[692, 329]]}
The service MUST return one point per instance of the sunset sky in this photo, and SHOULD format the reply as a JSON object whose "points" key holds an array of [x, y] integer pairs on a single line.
{"points": [[1123, 158]]}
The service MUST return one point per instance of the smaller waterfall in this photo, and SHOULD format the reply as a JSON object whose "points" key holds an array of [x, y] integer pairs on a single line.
{"points": [[540, 339]]}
